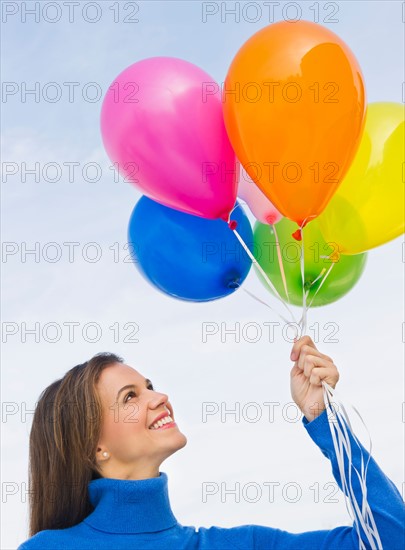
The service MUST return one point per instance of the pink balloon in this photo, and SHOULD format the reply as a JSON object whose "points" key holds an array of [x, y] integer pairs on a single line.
{"points": [[262, 209], [162, 124]]}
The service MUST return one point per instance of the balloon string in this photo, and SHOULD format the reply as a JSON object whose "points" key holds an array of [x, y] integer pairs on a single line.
{"points": [[235, 207], [264, 274], [322, 282], [319, 276], [304, 293], [320, 286], [306, 307], [307, 292], [259, 266], [295, 325], [267, 305], [341, 440], [280, 261]]}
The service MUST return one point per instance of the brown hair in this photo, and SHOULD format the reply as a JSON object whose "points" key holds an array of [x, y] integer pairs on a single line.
{"points": [[63, 443]]}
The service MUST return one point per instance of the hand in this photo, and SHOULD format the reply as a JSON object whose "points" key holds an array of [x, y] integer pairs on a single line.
{"points": [[310, 368]]}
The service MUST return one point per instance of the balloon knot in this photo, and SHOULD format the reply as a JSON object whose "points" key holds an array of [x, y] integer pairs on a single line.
{"points": [[271, 219], [297, 235], [234, 284], [233, 224]]}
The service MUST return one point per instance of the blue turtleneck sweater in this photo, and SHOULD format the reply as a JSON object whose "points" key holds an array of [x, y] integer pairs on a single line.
{"points": [[136, 514]]}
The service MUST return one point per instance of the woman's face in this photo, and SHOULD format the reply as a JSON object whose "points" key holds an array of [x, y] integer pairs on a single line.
{"points": [[135, 446]]}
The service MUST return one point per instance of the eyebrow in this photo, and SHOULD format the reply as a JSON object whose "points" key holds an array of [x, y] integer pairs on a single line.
{"points": [[128, 386]]}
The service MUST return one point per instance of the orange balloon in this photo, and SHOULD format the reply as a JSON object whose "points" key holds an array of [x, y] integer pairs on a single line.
{"points": [[294, 108]]}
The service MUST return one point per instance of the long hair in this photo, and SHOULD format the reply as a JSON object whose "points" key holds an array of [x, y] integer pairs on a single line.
{"points": [[63, 443]]}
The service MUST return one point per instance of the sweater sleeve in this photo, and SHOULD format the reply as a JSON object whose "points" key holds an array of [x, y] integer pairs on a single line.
{"points": [[383, 497]]}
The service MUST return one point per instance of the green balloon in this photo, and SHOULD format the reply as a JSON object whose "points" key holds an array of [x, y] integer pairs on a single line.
{"points": [[318, 255]]}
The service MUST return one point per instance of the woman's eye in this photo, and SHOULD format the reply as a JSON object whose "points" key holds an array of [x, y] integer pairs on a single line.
{"points": [[128, 394], [150, 387]]}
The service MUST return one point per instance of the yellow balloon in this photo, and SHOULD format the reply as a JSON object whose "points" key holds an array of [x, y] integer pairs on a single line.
{"points": [[368, 208]]}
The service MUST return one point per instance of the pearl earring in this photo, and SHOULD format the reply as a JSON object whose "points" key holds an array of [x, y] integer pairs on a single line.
{"points": [[105, 454]]}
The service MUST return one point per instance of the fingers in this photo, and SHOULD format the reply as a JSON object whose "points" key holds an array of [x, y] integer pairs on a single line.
{"points": [[304, 341], [320, 374], [316, 376], [304, 346], [316, 369], [308, 352], [311, 362]]}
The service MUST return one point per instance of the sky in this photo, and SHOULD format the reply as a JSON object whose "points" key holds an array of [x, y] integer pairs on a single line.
{"points": [[76, 57]]}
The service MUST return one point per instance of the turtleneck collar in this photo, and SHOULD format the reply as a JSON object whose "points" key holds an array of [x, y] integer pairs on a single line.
{"points": [[130, 506]]}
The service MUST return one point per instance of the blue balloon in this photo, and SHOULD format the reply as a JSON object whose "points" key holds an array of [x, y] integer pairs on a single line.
{"points": [[186, 256]]}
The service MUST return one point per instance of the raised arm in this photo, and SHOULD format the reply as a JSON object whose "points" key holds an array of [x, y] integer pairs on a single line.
{"points": [[386, 504], [384, 499]]}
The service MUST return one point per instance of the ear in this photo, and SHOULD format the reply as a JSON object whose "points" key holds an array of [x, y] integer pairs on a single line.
{"points": [[102, 454]]}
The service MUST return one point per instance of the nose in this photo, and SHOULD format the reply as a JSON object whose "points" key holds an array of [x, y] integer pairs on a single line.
{"points": [[158, 399]]}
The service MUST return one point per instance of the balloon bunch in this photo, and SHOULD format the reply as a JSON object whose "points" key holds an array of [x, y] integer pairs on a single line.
{"points": [[322, 173], [292, 112]]}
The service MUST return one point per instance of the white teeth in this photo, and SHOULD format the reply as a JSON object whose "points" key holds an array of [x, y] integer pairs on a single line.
{"points": [[162, 422]]}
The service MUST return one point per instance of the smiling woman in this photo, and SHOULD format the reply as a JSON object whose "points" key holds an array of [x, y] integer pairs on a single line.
{"points": [[99, 421], [100, 434]]}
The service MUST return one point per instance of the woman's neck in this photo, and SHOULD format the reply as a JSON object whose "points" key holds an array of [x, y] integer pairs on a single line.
{"points": [[135, 473]]}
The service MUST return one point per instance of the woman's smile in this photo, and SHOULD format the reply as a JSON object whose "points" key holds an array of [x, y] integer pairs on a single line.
{"points": [[169, 424], [165, 419]]}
